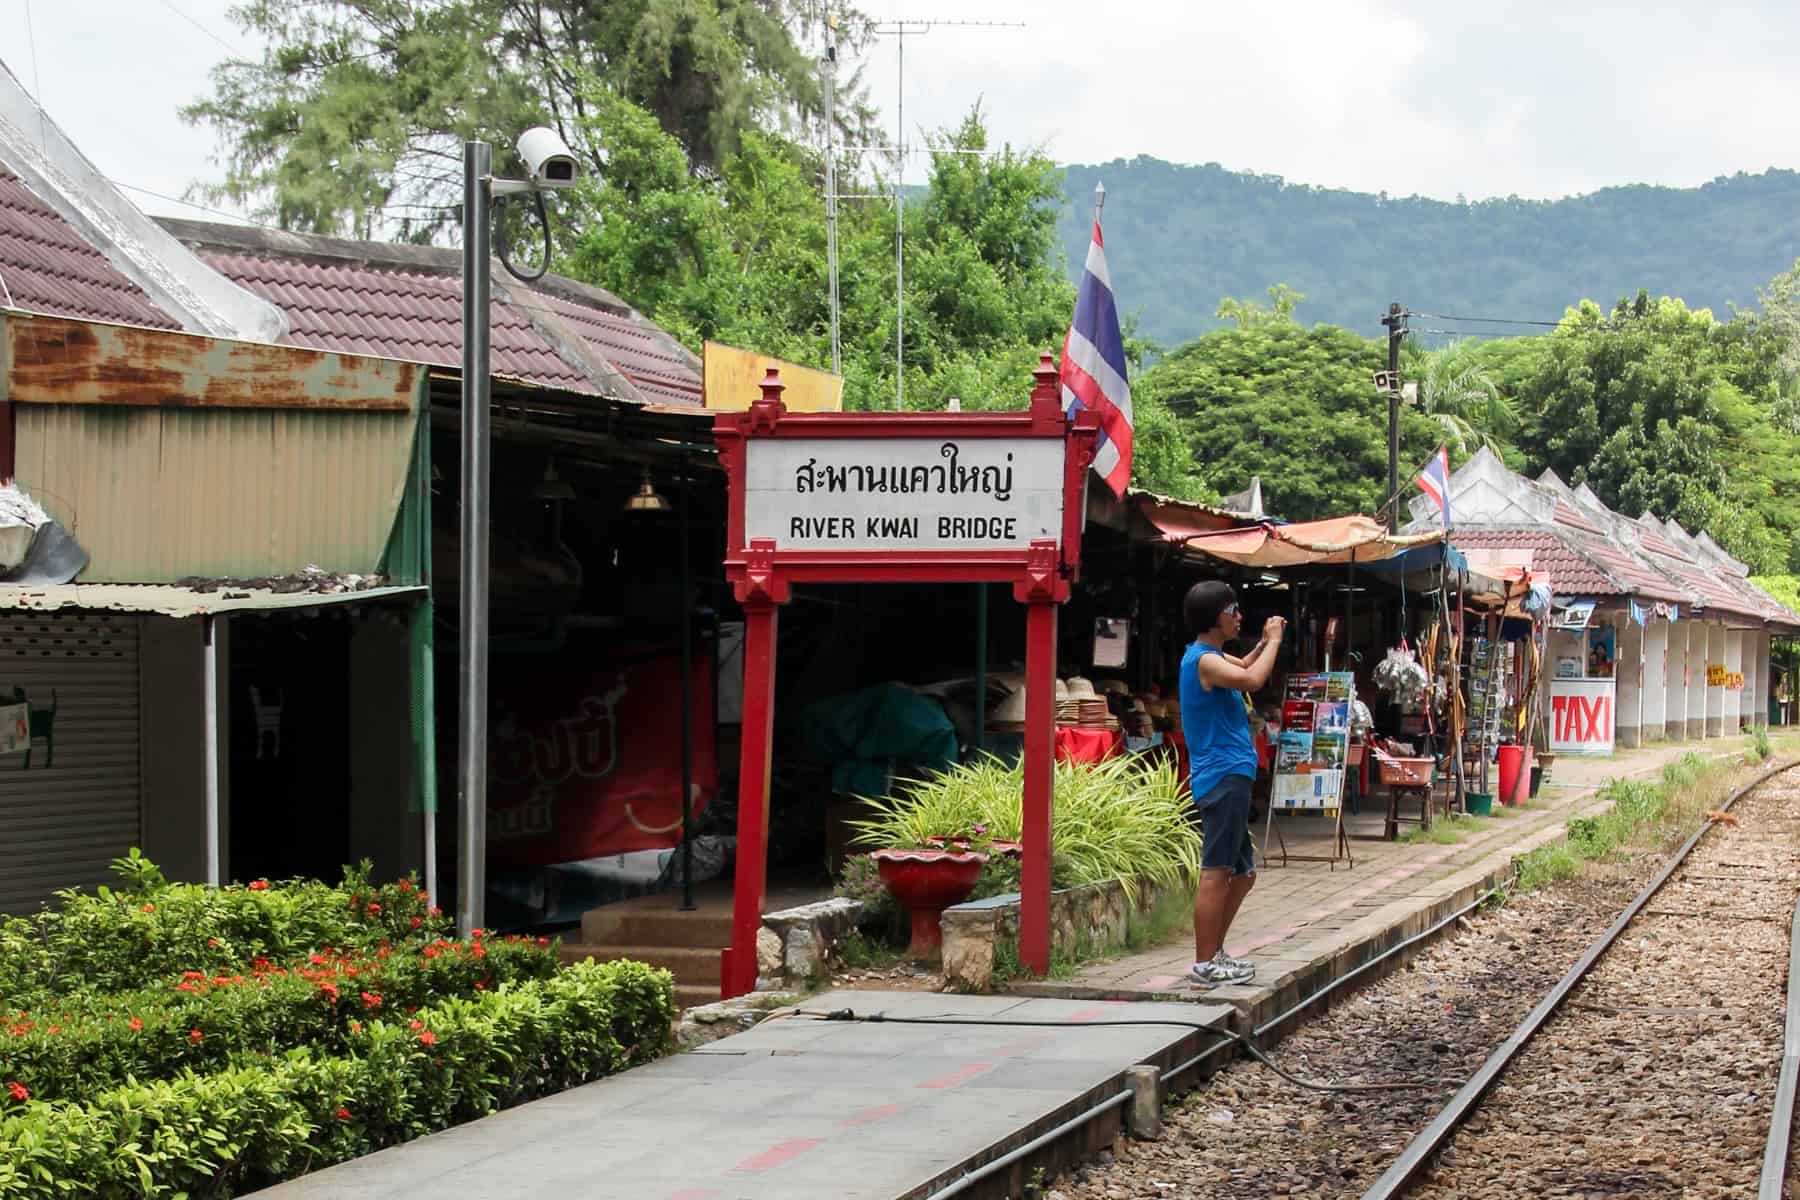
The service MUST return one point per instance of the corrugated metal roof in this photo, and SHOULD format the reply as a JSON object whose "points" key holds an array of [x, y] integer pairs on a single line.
{"points": [[155, 495], [48, 267], [406, 302], [171, 601]]}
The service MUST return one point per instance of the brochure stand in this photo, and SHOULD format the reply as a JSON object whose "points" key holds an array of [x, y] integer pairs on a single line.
{"points": [[1311, 758]]}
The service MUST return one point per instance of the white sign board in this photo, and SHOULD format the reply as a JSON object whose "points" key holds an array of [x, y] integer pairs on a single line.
{"points": [[15, 728], [1581, 716], [903, 494]]}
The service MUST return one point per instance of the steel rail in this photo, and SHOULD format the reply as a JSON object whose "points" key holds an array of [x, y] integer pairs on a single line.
{"points": [[1419, 1151], [1781, 1122]]}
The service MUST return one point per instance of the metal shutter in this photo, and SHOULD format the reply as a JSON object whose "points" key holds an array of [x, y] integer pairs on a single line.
{"points": [[60, 826]]}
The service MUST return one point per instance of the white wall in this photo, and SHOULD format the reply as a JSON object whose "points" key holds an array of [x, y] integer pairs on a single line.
{"points": [[1628, 687], [1761, 697], [1734, 662], [1694, 671], [1656, 680], [1715, 696]]}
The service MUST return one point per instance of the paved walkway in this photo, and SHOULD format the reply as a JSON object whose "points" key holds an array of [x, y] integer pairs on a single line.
{"points": [[1307, 921], [799, 1109]]}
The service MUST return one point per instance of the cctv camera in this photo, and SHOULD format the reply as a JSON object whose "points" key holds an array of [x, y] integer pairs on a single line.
{"points": [[548, 158]]}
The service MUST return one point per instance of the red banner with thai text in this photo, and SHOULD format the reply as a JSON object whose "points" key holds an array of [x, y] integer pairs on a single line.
{"points": [[584, 756]]}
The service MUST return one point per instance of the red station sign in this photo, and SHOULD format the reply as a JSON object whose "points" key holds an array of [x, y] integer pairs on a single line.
{"points": [[987, 497]]}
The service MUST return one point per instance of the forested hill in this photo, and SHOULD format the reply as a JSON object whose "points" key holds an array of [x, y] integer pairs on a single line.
{"points": [[1180, 237]]}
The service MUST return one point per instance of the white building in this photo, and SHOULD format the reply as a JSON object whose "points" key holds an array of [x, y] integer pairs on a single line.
{"points": [[1658, 633]]}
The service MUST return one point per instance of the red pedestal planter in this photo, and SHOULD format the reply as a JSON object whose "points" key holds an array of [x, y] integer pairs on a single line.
{"points": [[927, 882]]}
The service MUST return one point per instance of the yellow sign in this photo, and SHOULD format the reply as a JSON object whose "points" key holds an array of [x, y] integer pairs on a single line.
{"points": [[734, 378], [1718, 676]]}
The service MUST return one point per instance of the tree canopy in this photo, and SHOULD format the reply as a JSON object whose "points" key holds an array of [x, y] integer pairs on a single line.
{"points": [[359, 108], [739, 256]]}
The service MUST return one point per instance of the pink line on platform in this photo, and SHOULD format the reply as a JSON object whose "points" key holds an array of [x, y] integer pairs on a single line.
{"points": [[869, 1116], [777, 1154], [1086, 1014], [961, 1075]]}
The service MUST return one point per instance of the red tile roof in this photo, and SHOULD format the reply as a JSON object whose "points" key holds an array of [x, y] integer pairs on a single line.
{"points": [[401, 301], [392, 313], [1635, 574], [48, 267], [1569, 572]]}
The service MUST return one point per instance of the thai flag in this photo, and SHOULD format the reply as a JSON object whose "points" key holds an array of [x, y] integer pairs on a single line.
{"points": [[1434, 481], [1093, 368]]}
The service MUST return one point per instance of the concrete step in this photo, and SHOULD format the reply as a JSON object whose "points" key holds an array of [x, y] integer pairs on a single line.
{"points": [[694, 996], [620, 925], [691, 966]]}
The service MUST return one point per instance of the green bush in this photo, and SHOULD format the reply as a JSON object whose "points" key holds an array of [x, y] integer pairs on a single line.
{"points": [[1122, 819], [148, 929], [89, 1041], [266, 1118]]}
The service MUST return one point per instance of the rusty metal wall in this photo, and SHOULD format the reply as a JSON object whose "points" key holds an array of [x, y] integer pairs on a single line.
{"points": [[160, 494]]}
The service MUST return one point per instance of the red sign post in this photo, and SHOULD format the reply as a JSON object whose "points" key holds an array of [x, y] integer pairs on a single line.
{"points": [[989, 497]]}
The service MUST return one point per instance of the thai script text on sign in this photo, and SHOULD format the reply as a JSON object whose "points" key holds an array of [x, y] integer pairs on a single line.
{"points": [[901, 494], [1718, 676]]}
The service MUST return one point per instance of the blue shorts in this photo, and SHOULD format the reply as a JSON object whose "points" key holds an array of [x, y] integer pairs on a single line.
{"points": [[1224, 815]]}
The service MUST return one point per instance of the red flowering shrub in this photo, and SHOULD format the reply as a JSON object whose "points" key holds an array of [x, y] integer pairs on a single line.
{"points": [[98, 1039], [256, 1125], [117, 940]]}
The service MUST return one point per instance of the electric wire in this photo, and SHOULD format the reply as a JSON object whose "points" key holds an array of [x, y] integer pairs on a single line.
{"points": [[1226, 1035], [500, 242]]}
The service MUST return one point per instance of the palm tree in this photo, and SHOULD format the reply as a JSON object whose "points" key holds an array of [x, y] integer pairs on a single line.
{"points": [[1457, 392]]}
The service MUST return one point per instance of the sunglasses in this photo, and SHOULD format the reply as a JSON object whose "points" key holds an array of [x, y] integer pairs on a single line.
{"points": [[1230, 610]]}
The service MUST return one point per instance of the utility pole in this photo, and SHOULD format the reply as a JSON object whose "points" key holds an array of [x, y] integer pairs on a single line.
{"points": [[472, 582], [831, 198], [1396, 327]]}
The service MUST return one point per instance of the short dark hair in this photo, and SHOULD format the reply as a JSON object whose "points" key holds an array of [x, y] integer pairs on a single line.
{"points": [[1204, 602]]}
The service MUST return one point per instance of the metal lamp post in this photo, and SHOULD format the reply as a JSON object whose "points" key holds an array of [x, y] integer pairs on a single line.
{"points": [[551, 166]]}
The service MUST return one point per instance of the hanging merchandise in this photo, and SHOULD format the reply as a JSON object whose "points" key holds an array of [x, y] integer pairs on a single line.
{"points": [[1401, 676]]}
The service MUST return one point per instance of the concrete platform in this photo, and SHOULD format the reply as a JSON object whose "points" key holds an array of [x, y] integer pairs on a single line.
{"points": [[798, 1108], [1306, 924]]}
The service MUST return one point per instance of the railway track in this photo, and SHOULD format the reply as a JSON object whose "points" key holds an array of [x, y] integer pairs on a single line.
{"points": [[1654, 1066], [1665, 1061]]}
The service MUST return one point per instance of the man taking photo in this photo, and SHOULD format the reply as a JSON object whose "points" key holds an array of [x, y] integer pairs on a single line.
{"points": [[1221, 767]]}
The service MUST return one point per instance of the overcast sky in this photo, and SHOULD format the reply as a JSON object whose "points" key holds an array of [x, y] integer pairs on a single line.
{"points": [[1440, 99]]}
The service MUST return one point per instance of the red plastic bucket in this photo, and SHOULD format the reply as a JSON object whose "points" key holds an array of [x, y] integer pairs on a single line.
{"points": [[1515, 775]]}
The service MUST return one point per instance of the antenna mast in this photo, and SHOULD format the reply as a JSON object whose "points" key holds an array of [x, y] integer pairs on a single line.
{"points": [[900, 27]]}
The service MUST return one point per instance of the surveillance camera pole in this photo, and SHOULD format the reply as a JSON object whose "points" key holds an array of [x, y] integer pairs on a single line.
{"points": [[472, 575]]}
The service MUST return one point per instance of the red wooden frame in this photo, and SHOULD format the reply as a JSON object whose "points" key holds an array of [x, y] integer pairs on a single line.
{"points": [[762, 576]]}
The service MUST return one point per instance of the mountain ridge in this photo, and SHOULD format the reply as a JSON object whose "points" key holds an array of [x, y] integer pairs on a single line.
{"points": [[1179, 237]]}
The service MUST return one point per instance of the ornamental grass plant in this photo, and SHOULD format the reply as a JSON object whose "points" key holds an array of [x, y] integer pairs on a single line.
{"points": [[1126, 818]]}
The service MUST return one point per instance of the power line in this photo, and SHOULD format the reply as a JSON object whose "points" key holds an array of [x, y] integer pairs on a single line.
{"points": [[170, 5], [1483, 320], [243, 220]]}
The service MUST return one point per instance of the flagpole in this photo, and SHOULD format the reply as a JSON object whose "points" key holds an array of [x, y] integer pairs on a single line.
{"points": [[1099, 200]]}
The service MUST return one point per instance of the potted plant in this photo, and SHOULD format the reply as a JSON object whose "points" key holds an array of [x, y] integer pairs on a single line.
{"points": [[926, 880]]}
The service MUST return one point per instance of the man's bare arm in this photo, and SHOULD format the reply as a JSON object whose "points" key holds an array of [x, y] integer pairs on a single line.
{"points": [[1248, 676]]}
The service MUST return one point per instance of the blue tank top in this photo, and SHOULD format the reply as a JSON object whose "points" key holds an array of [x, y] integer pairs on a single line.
{"points": [[1215, 725]]}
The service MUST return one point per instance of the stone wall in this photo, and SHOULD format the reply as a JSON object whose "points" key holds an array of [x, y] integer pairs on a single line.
{"points": [[1088, 918], [797, 948]]}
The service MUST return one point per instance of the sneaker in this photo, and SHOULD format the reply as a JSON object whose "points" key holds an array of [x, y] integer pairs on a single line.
{"points": [[1232, 960], [1216, 973]]}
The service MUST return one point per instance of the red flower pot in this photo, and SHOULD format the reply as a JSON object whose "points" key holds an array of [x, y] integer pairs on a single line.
{"points": [[927, 882]]}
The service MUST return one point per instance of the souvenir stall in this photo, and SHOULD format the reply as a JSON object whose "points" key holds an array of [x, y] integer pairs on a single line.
{"points": [[1317, 717]]}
